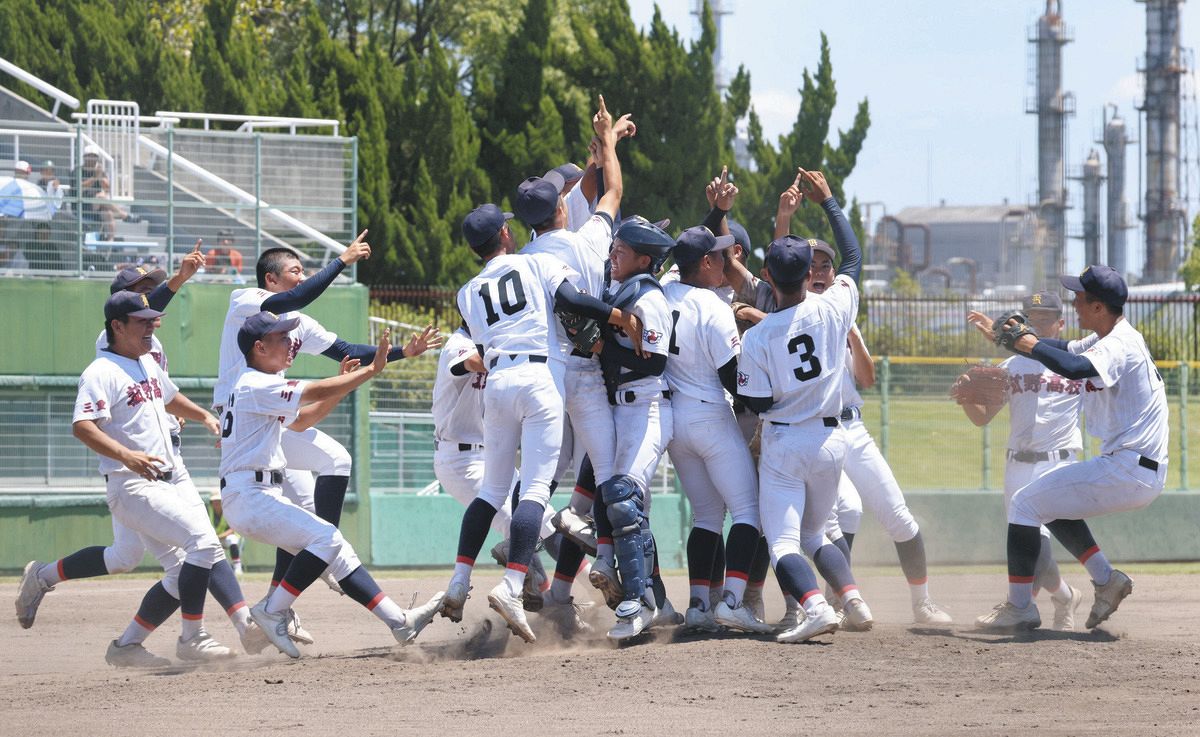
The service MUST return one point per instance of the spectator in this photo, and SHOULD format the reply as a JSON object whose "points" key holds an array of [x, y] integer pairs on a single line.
{"points": [[22, 170], [48, 181], [225, 258], [93, 185]]}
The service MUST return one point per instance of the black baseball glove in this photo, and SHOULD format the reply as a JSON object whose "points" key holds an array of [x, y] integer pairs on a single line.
{"points": [[1011, 327], [584, 332]]}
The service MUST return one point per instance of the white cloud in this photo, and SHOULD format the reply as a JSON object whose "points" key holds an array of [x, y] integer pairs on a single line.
{"points": [[777, 109], [1126, 89]]}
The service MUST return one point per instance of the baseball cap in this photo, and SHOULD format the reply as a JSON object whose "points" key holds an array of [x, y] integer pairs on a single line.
{"points": [[482, 223], [23, 166], [740, 235], [91, 150], [788, 260], [257, 326], [126, 278], [128, 304], [693, 243], [537, 197], [48, 164], [569, 172], [1043, 302], [1102, 282], [819, 245]]}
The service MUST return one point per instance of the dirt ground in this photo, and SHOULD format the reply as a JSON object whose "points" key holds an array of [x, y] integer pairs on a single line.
{"points": [[1140, 674]]}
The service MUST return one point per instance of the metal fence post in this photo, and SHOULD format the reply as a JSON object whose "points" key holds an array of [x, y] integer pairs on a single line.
{"points": [[257, 195], [1184, 376], [78, 163], [987, 456], [885, 382], [354, 195], [170, 198]]}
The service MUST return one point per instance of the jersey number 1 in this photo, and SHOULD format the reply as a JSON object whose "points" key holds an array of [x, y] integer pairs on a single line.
{"points": [[810, 367], [511, 304]]}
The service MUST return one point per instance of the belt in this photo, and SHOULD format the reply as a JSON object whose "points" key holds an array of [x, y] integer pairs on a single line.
{"points": [[581, 354], [1145, 462], [164, 476], [851, 413], [464, 447], [630, 397], [275, 477], [826, 421], [514, 356], [1030, 456]]}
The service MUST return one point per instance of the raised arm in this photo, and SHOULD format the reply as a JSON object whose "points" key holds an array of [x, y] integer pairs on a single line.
{"points": [[428, 339], [602, 123], [307, 291], [161, 295]]}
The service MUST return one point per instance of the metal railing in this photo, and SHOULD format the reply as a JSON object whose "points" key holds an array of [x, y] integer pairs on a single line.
{"points": [[254, 122], [41, 85]]}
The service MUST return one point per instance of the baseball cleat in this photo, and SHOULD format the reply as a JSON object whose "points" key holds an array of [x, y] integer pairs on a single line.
{"points": [[739, 618], [531, 593], [201, 647], [295, 631], [856, 617], [1006, 618], [666, 616], [753, 599], [580, 529], [566, 617], [823, 621], [455, 600], [417, 619], [926, 612], [254, 640], [1109, 597], [633, 618], [30, 593], [603, 577], [132, 655], [510, 609], [699, 618], [1064, 613], [791, 618], [332, 583], [276, 627]]}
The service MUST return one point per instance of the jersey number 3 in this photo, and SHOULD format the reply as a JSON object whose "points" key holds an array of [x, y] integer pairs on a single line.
{"points": [[512, 296], [810, 365]]}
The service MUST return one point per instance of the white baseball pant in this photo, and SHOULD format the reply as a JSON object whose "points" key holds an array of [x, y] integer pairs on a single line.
{"points": [[523, 407], [1100, 485], [798, 479], [644, 430], [259, 510], [1017, 475], [868, 478], [713, 464], [306, 452], [591, 415], [127, 549]]}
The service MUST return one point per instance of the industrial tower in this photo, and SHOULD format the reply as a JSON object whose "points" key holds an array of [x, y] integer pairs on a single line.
{"points": [[1115, 141]]}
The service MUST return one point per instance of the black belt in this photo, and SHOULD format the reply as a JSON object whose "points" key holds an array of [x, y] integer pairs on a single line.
{"points": [[512, 356], [851, 413], [1145, 462], [464, 447], [275, 477], [631, 397], [168, 475], [1029, 456], [581, 354], [826, 421]]}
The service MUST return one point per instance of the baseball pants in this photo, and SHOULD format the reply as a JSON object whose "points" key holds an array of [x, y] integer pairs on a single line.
{"points": [[644, 430], [306, 452], [1017, 475], [259, 510], [460, 472], [1102, 485], [868, 483], [713, 464], [523, 408], [591, 415], [798, 480]]}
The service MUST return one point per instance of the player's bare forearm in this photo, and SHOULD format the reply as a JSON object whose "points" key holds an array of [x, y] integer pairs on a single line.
{"points": [[335, 387], [183, 407], [980, 414], [863, 367], [738, 276], [311, 414], [90, 434]]}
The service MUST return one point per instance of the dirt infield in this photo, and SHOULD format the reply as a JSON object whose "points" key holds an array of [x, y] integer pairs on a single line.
{"points": [[1138, 675]]}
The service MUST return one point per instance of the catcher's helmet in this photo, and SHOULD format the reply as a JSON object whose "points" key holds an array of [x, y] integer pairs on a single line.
{"points": [[646, 238]]}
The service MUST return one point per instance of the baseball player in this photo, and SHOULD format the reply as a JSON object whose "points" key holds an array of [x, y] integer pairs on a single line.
{"points": [[508, 308], [1126, 405], [260, 404], [710, 458], [283, 289], [121, 414], [1043, 435]]}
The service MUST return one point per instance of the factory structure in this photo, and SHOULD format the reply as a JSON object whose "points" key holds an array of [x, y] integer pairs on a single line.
{"points": [[1023, 247]]}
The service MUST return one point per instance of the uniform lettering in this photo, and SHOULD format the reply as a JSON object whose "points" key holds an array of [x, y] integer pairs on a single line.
{"points": [[810, 365]]}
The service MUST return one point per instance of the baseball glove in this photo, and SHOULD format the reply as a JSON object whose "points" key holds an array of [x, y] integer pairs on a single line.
{"points": [[1007, 335], [584, 332], [981, 384]]}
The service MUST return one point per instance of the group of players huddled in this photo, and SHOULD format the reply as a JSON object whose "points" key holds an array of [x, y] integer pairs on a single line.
{"points": [[578, 352]]}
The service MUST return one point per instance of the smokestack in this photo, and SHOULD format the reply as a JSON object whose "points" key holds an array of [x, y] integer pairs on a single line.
{"points": [[1116, 138], [1091, 179], [1163, 68]]}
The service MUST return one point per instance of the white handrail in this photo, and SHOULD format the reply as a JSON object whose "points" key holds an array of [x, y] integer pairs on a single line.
{"points": [[117, 116], [254, 120], [41, 86], [241, 194]]}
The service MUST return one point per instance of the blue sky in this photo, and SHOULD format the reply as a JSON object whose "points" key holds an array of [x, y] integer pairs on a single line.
{"points": [[947, 83]]}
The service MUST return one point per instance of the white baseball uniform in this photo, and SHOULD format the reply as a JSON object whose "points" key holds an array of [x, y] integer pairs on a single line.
{"points": [[252, 460], [707, 450], [1126, 408], [584, 251], [797, 356], [508, 308], [127, 399], [671, 276]]}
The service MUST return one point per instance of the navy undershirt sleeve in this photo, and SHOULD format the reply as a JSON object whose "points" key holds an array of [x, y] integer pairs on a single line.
{"points": [[712, 220], [653, 365], [570, 299], [1055, 343], [1063, 363], [728, 375], [304, 293], [847, 242], [363, 352], [160, 297]]}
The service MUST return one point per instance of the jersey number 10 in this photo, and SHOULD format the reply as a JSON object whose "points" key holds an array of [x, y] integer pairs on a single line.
{"points": [[510, 303]]}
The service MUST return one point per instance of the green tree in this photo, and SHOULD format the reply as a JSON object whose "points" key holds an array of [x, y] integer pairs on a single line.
{"points": [[1190, 271]]}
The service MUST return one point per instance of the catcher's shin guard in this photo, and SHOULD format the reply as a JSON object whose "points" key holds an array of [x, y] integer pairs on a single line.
{"points": [[631, 534]]}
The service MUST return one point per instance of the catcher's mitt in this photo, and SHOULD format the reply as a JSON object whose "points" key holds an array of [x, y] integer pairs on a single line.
{"points": [[1006, 335], [584, 332], [981, 384]]}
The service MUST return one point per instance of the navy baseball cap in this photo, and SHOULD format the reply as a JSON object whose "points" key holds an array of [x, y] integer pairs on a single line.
{"points": [[569, 172], [126, 278], [483, 223], [1102, 282], [128, 304], [537, 197], [788, 260], [740, 235], [262, 324], [1043, 302], [693, 243]]}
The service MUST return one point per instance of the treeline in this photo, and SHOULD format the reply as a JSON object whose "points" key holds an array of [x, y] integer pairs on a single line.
{"points": [[454, 102]]}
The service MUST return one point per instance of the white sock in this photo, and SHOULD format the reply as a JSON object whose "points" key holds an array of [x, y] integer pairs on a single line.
{"points": [[1062, 594], [48, 574], [241, 619], [280, 600], [699, 590], [919, 592], [580, 504], [1098, 568], [133, 633], [560, 588], [462, 572], [191, 627], [389, 612], [514, 579], [813, 604], [735, 587], [848, 595]]}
